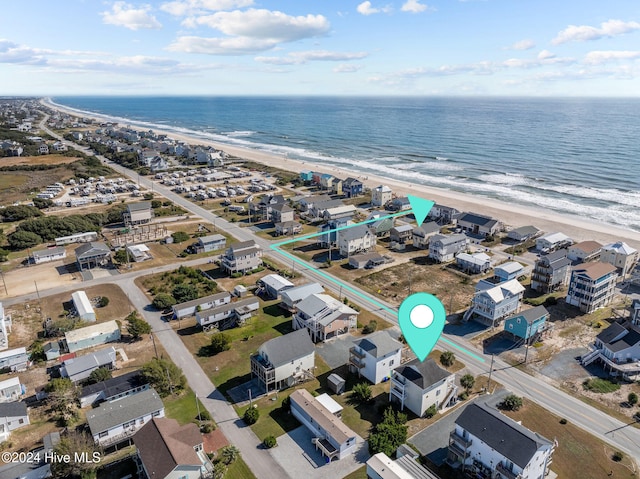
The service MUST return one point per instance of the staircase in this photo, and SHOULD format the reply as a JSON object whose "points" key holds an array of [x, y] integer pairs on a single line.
{"points": [[467, 315], [588, 358]]}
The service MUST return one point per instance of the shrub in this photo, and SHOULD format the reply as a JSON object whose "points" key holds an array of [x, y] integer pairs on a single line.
{"points": [[104, 301], [361, 392], [371, 327], [447, 359], [511, 403], [163, 301], [270, 442], [563, 421], [207, 427], [219, 342], [632, 398], [602, 386], [179, 236], [204, 415], [431, 411], [251, 416], [617, 456]]}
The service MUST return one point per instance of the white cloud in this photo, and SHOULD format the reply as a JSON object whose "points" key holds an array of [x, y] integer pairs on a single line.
{"points": [[347, 68], [582, 33], [523, 45], [181, 8], [545, 55], [123, 14], [365, 8], [221, 46], [413, 6], [297, 58], [600, 57]]}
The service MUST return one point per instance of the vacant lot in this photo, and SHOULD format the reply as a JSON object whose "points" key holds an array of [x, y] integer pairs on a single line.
{"points": [[16, 186], [38, 160]]}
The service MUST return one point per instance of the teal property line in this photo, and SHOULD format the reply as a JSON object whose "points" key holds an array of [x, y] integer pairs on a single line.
{"points": [[347, 287]]}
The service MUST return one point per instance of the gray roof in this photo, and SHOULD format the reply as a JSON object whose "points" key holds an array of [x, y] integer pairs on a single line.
{"points": [[402, 228], [282, 207], [379, 344], [531, 315], [298, 293], [426, 228], [91, 249], [80, 364], [117, 385], [423, 374], [507, 437], [448, 239], [194, 303], [630, 339], [13, 409], [477, 219], [284, 349], [526, 230], [353, 233], [556, 256], [112, 414], [139, 206], [48, 252], [211, 239]]}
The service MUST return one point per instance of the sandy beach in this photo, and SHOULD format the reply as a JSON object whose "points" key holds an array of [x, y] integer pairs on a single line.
{"points": [[512, 215]]}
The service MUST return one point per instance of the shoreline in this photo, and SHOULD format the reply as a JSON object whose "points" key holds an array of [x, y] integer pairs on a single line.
{"points": [[579, 229]]}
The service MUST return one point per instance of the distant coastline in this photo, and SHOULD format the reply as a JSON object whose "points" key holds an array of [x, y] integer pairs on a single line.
{"points": [[579, 228]]}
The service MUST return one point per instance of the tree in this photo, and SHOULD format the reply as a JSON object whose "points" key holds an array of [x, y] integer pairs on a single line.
{"points": [[389, 434], [62, 400], [632, 398], [73, 444], [137, 326], [164, 376], [104, 301], [23, 239], [121, 256], [251, 416], [36, 352], [180, 236], [269, 442], [19, 212], [219, 342], [163, 301], [511, 403], [447, 359], [230, 453], [219, 470], [361, 392], [467, 381], [370, 327], [99, 375], [184, 292], [42, 203]]}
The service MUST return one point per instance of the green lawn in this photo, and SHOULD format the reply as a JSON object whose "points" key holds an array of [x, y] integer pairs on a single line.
{"points": [[598, 385], [183, 407], [358, 474], [239, 470]]}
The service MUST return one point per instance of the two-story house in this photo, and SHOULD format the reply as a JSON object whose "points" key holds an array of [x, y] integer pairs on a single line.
{"points": [[424, 232], [381, 195], [375, 356], [507, 271], [418, 385], [477, 224], [584, 251], [401, 234], [491, 303], [352, 187], [523, 233], [11, 390], [486, 443], [137, 213], [284, 361], [444, 248], [592, 286], [115, 388], [527, 324], [291, 297], [273, 285], [324, 317], [442, 214], [552, 242], [620, 255], [551, 272], [241, 257], [473, 263], [356, 240]]}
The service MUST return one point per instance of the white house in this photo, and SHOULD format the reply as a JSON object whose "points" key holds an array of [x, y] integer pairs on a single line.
{"points": [[419, 385], [291, 297], [116, 421], [138, 252], [443, 248], [210, 243], [381, 195], [83, 306], [375, 356], [49, 254], [592, 286], [356, 240], [553, 241], [491, 303], [584, 251], [406, 466], [242, 257], [473, 263], [423, 233], [13, 415], [324, 317], [11, 390], [487, 442], [508, 271], [620, 255], [94, 335], [273, 285], [14, 359], [334, 439], [284, 361], [189, 308]]}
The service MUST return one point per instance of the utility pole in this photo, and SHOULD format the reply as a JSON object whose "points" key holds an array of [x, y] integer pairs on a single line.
{"points": [[490, 371], [153, 338], [199, 417], [527, 339], [37, 292], [4, 283]]}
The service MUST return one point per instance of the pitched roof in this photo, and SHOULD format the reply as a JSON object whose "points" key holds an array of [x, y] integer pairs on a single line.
{"points": [[510, 439], [503, 290], [91, 249], [402, 228], [531, 315], [477, 219], [276, 281], [379, 344], [163, 444], [587, 246], [332, 426], [620, 247], [48, 252], [426, 228], [423, 373], [555, 237], [630, 339], [383, 189], [13, 409], [211, 239], [86, 362], [300, 292], [448, 239], [595, 270], [141, 205], [315, 303], [194, 303], [510, 267], [117, 385], [557, 259], [284, 349], [90, 331], [526, 230], [112, 414], [356, 232]]}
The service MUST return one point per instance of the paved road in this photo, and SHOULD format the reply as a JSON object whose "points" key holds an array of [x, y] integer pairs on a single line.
{"points": [[620, 435]]}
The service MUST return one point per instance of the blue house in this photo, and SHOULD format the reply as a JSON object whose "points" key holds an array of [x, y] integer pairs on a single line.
{"points": [[306, 175], [352, 187], [527, 324]]}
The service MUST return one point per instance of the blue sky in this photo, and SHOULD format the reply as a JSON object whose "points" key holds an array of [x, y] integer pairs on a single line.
{"points": [[321, 47]]}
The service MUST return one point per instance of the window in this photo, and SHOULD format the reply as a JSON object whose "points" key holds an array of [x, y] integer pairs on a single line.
{"points": [[510, 326], [103, 434], [21, 421], [391, 363], [518, 320], [156, 414]]}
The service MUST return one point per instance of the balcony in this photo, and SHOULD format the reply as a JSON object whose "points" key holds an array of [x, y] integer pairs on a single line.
{"points": [[398, 392], [462, 442], [358, 363], [353, 351], [506, 473]]}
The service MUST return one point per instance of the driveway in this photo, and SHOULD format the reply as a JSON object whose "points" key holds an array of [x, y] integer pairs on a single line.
{"points": [[335, 352], [298, 456]]}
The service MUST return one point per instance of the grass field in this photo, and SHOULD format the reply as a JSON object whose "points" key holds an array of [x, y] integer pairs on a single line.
{"points": [[183, 408], [54, 159], [239, 470]]}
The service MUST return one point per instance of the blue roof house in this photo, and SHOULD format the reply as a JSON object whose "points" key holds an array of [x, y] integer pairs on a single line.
{"points": [[527, 324], [306, 175]]}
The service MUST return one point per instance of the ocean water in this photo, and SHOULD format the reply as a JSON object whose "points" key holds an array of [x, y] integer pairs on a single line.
{"points": [[573, 156]]}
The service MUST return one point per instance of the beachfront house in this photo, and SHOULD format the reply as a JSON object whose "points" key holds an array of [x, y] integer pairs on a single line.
{"points": [[292, 296], [551, 272], [209, 243], [94, 335], [83, 307], [401, 203], [273, 285], [443, 215], [584, 251], [352, 187], [444, 248], [381, 195], [334, 439], [476, 263], [375, 356], [167, 450], [11, 390], [491, 303], [552, 242], [419, 385], [477, 224], [306, 175], [401, 234], [508, 271], [47, 255], [620, 255], [486, 443], [137, 213], [81, 367], [242, 257], [284, 361], [528, 324], [13, 415], [592, 286], [523, 233], [423, 233], [115, 422], [356, 240], [324, 317], [189, 308], [91, 255]]}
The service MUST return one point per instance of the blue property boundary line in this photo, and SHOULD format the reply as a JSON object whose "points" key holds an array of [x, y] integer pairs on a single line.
{"points": [[346, 286]]}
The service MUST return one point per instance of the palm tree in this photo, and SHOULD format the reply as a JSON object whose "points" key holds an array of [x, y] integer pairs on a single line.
{"points": [[229, 454]]}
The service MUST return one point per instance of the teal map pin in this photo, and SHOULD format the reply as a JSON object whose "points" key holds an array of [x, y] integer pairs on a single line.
{"points": [[421, 317]]}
